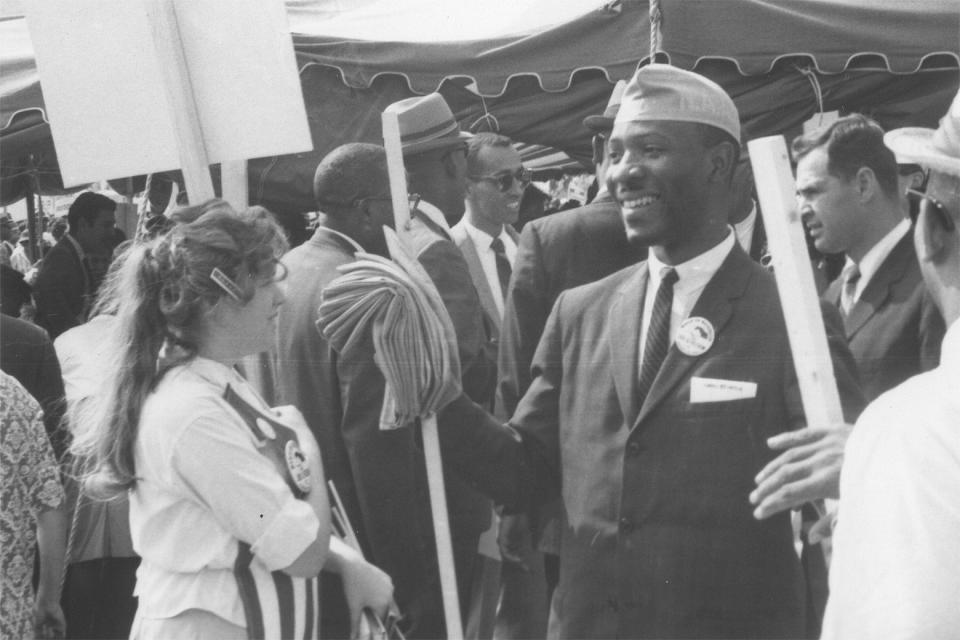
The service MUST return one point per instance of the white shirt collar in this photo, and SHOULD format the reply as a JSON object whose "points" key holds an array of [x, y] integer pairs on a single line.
{"points": [[744, 229], [695, 272], [872, 261], [482, 239], [350, 240]]}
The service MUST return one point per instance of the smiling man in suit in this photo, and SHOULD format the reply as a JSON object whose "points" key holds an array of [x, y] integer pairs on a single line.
{"points": [[485, 235], [847, 189], [654, 391]]}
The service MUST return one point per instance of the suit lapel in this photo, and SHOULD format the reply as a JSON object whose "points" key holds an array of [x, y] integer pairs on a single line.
{"points": [[714, 305], [479, 277], [624, 319], [891, 271]]}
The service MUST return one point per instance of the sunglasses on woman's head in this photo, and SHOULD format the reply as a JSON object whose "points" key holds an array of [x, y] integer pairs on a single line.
{"points": [[505, 180]]}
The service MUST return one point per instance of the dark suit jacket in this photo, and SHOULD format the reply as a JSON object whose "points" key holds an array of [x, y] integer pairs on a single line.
{"points": [[894, 329], [660, 540], [556, 252], [380, 475], [62, 289], [27, 354]]}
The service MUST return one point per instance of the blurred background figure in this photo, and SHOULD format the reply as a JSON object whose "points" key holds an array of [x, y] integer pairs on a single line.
{"points": [[32, 520]]}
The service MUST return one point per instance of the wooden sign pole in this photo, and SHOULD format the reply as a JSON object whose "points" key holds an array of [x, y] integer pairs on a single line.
{"points": [[798, 293], [180, 95], [431, 437]]}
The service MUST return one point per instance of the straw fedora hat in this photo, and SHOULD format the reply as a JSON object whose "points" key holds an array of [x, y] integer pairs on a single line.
{"points": [[426, 123], [599, 124], [937, 149]]}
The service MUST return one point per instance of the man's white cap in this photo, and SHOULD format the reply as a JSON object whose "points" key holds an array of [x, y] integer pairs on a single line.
{"points": [[664, 92]]}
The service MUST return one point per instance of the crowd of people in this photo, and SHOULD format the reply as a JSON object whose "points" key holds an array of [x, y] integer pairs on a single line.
{"points": [[629, 456]]}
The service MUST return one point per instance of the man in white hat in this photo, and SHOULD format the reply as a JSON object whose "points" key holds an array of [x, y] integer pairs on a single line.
{"points": [[555, 253], [654, 391], [896, 562]]}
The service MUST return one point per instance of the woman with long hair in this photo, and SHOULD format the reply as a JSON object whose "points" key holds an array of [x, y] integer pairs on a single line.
{"points": [[228, 504]]}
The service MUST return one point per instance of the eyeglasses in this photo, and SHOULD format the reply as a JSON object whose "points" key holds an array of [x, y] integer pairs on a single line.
{"points": [[939, 209], [505, 180]]}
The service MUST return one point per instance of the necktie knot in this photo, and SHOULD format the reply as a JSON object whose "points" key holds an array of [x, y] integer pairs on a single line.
{"points": [[851, 275], [668, 276], [497, 246]]}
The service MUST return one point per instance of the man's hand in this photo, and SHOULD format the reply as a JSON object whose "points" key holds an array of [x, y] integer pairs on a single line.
{"points": [[512, 537], [48, 620], [807, 470]]}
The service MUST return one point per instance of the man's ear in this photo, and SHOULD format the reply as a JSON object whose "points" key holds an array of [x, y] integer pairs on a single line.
{"points": [[599, 143], [721, 156], [916, 180], [866, 182]]}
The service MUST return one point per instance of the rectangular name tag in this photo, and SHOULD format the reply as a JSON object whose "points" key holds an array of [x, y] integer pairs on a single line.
{"points": [[719, 390]]}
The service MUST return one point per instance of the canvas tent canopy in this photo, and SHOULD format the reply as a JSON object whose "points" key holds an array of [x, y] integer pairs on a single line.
{"points": [[534, 69]]}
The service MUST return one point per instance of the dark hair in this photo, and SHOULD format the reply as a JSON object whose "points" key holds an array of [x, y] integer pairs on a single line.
{"points": [[480, 141], [159, 291], [348, 173], [87, 207], [851, 143]]}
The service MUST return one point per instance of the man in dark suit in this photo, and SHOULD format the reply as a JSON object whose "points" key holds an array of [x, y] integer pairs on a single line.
{"points": [[847, 187], [848, 194], [27, 354], [64, 289], [556, 252], [651, 401], [379, 474]]}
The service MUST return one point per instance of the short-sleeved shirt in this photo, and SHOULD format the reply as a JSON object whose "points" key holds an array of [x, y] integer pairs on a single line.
{"points": [[202, 488], [29, 485]]}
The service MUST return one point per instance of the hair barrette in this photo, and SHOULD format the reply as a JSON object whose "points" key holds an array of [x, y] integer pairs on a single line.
{"points": [[225, 283]]}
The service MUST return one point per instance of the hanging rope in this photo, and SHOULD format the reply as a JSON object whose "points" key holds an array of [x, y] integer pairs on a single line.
{"points": [[656, 19], [815, 83]]}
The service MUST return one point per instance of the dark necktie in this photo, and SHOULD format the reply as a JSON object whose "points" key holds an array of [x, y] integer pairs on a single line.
{"points": [[658, 334], [851, 276], [503, 265]]}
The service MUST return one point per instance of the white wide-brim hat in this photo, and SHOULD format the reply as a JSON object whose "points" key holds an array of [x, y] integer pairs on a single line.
{"points": [[937, 149]]}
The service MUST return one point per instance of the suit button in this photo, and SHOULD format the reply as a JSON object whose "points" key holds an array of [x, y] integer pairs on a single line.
{"points": [[633, 448], [626, 525]]}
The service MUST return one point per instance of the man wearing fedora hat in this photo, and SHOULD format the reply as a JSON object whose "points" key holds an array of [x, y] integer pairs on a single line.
{"points": [[896, 562], [434, 155], [555, 253], [653, 393]]}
